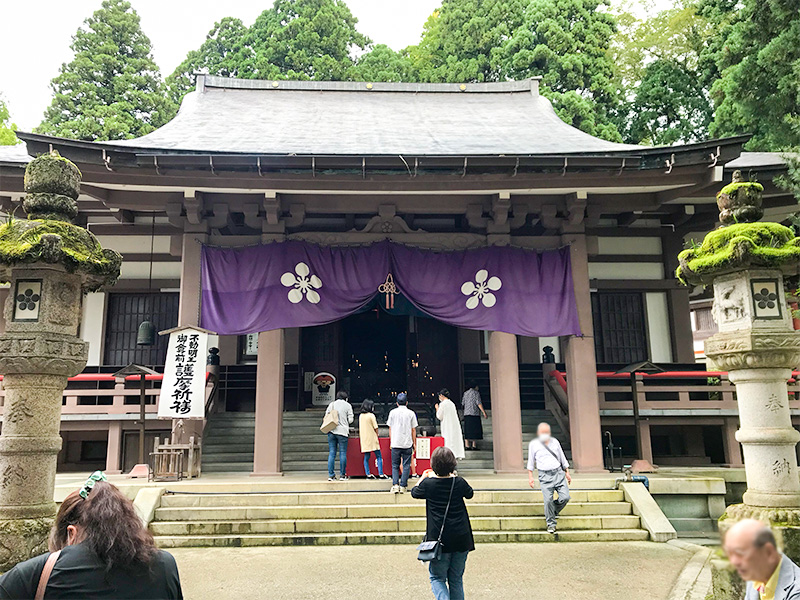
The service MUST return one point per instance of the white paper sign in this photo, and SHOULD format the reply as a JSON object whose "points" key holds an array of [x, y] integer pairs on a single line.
{"points": [[423, 448], [183, 391], [323, 389]]}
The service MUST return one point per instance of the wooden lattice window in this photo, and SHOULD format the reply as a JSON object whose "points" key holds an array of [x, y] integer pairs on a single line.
{"points": [[125, 313], [620, 327]]}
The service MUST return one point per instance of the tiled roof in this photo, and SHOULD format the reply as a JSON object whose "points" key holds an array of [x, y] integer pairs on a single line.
{"points": [[337, 118]]}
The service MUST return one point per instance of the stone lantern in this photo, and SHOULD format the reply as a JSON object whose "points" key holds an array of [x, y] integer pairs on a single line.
{"points": [[49, 263], [746, 262]]}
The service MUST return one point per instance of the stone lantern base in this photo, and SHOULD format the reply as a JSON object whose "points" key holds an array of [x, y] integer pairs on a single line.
{"points": [[20, 539]]}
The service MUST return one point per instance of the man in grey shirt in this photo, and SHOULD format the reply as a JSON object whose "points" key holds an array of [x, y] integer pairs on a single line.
{"points": [[337, 439], [402, 424], [546, 455]]}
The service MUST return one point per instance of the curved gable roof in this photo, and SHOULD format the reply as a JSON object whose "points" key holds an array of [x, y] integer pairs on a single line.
{"points": [[337, 118]]}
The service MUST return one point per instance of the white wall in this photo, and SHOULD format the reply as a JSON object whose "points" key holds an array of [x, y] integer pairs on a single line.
{"points": [[94, 311], [658, 326], [624, 270], [550, 341]]}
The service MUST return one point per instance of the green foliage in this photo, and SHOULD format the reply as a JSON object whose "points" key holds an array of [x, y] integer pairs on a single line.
{"points": [[732, 188], [658, 72], [463, 40], [758, 57], [382, 63], [219, 55], [112, 88], [7, 128], [768, 245], [301, 39], [566, 43]]}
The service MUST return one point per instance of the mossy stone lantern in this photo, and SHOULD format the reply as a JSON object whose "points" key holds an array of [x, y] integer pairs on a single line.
{"points": [[49, 263], [746, 262]]}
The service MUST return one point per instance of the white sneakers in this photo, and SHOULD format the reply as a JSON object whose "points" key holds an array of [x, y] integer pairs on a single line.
{"points": [[396, 489]]}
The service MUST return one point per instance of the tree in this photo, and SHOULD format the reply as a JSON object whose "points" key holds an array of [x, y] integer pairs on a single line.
{"points": [[218, 55], [382, 63], [301, 39], [7, 128], [658, 70], [112, 88], [758, 90], [462, 41], [566, 43], [670, 106]]}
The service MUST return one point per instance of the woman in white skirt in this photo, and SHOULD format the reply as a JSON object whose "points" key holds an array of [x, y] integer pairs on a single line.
{"points": [[451, 427]]}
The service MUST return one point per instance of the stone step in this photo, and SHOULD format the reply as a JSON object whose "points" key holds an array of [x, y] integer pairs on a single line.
{"points": [[223, 467], [385, 525], [411, 539], [216, 446], [375, 511], [364, 498]]}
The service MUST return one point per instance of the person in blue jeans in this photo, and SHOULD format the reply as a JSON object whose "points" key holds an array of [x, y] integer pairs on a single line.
{"points": [[337, 439], [435, 485]]}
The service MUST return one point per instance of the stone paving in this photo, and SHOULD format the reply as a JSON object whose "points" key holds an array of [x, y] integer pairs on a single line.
{"points": [[574, 571]]}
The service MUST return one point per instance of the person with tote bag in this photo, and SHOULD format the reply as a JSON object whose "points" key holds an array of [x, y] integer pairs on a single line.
{"points": [[338, 436], [448, 533]]}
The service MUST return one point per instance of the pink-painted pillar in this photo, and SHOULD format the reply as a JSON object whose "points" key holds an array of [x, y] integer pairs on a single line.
{"points": [[733, 450], [506, 412], [114, 448], [189, 305], [584, 400], [269, 403]]}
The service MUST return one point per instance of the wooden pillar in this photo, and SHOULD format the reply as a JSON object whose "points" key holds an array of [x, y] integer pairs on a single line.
{"points": [[680, 319], [647, 444], [189, 306], [114, 448], [269, 403], [506, 411], [581, 364], [733, 450]]}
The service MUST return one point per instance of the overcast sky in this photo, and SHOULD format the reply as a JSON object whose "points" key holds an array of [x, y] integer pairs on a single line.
{"points": [[36, 37]]}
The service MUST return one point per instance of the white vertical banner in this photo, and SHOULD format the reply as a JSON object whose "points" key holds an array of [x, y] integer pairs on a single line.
{"points": [[183, 390]]}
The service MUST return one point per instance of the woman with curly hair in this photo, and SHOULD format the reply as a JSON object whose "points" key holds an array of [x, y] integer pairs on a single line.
{"points": [[99, 548]]}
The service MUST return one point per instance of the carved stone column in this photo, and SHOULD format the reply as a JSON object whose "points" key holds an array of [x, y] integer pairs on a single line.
{"points": [[50, 263]]}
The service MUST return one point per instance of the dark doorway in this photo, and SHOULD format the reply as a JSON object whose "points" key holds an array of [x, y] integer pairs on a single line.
{"points": [[620, 327], [125, 314], [374, 355]]}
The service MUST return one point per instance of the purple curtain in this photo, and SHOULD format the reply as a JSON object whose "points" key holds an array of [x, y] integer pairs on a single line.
{"points": [[297, 284]]}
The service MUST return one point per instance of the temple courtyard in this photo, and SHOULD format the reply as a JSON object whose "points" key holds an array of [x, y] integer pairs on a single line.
{"points": [[567, 571]]}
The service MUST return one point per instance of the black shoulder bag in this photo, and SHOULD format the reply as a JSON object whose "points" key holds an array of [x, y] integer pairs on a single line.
{"points": [[431, 550]]}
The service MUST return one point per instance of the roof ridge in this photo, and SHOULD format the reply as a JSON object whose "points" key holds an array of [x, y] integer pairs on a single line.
{"points": [[205, 81]]}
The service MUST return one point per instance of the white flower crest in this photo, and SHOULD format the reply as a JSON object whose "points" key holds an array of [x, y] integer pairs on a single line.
{"points": [[481, 290], [302, 284]]}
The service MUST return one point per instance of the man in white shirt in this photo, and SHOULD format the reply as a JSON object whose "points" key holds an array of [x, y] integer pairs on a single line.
{"points": [[402, 424], [337, 439], [546, 455]]}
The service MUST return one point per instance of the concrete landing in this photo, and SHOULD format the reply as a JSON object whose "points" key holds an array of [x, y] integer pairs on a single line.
{"points": [[576, 571]]}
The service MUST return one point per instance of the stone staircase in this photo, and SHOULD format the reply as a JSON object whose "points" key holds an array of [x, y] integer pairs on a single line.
{"points": [[365, 513], [229, 438]]}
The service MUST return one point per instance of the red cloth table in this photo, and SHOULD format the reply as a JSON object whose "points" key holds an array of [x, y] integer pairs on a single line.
{"points": [[355, 459]]}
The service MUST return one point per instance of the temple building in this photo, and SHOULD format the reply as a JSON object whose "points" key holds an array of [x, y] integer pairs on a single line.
{"points": [[417, 173]]}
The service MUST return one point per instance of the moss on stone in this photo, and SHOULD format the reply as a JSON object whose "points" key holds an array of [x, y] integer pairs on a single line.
{"points": [[46, 205], [765, 245], [59, 242], [54, 174], [733, 188]]}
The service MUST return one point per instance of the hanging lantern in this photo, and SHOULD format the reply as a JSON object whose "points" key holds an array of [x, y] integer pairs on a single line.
{"points": [[146, 335]]}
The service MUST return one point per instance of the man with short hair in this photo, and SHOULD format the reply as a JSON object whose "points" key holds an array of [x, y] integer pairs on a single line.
{"points": [[402, 424], [546, 455], [752, 550], [338, 438]]}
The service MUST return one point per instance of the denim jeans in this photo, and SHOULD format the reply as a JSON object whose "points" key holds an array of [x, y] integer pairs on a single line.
{"points": [[378, 461], [447, 573], [334, 442], [397, 455]]}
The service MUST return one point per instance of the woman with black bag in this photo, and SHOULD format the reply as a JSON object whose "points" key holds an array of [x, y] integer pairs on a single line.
{"points": [[449, 533]]}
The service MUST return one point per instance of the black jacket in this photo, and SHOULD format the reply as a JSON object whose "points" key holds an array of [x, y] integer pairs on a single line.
{"points": [[457, 535]]}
